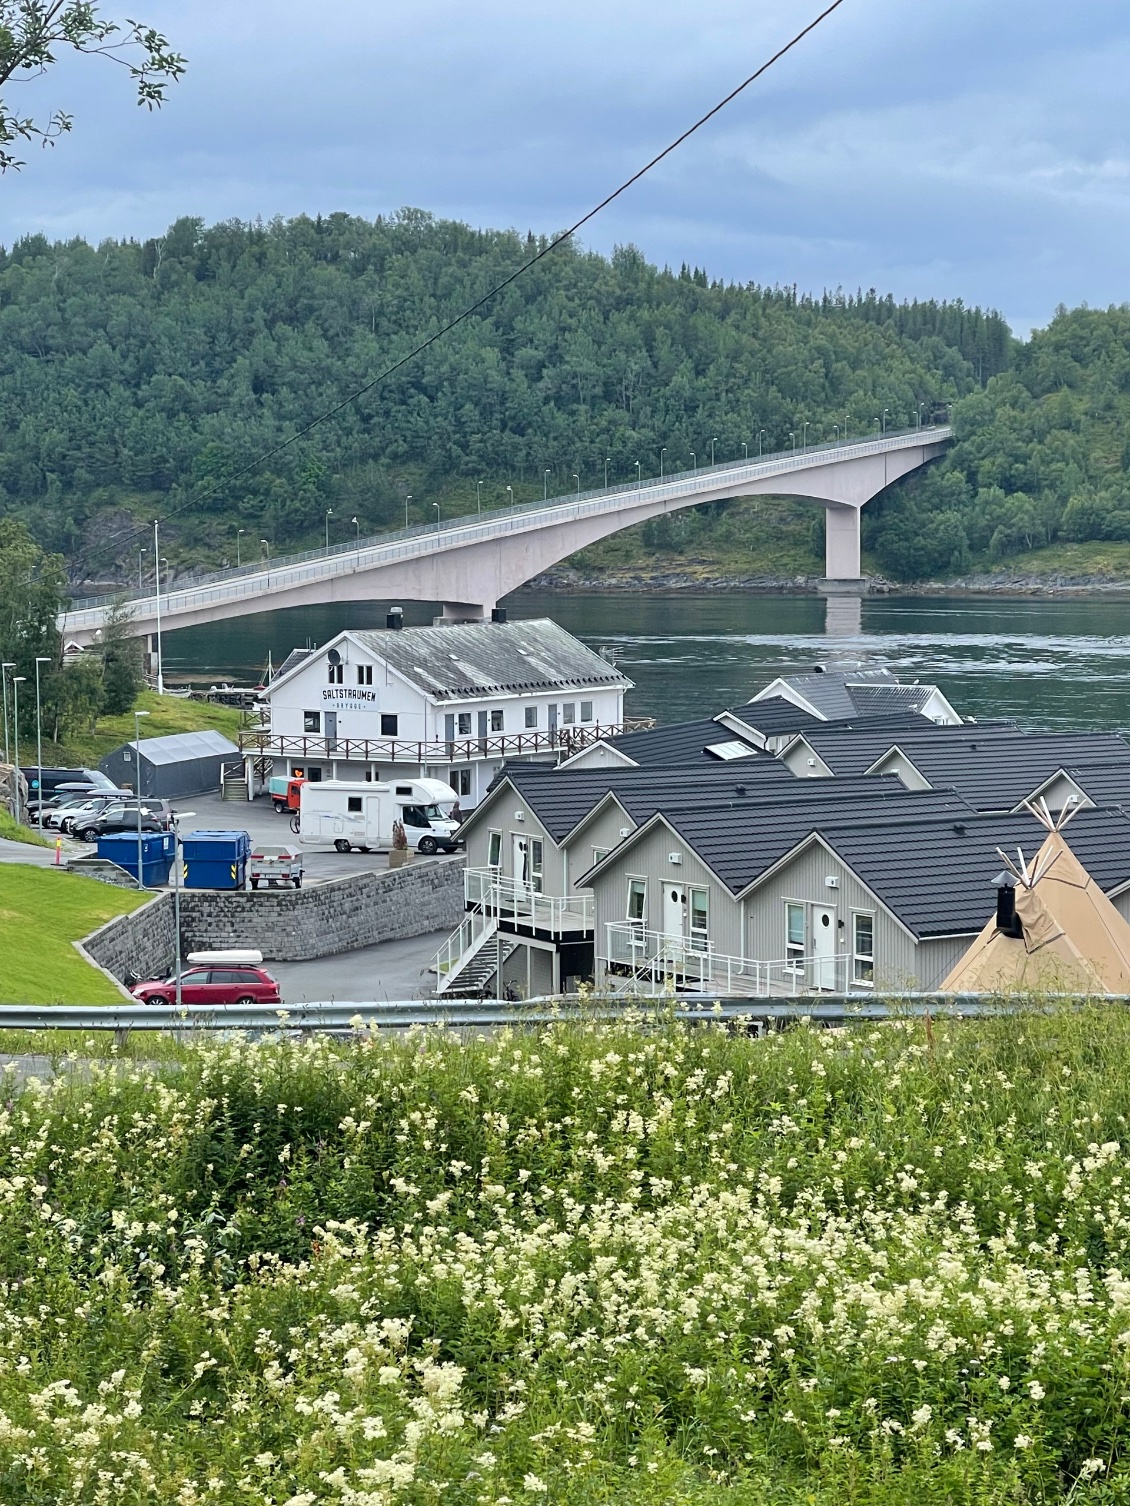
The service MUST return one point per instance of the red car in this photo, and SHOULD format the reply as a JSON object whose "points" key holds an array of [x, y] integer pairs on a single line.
{"points": [[213, 985]]}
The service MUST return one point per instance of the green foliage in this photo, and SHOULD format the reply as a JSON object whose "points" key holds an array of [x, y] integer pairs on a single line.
{"points": [[121, 666], [137, 379], [33, 31], [42, 911], [610, 1262]]}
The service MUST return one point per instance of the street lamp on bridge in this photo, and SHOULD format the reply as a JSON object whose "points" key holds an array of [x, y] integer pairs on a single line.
{"points": [[713, 442], [407, 499], [762, 433], [607, 463], [792, 436], [329, 515], [357, 524], [694, 464], [662, 452], [545, 485], [577, 479], [238, 550]]}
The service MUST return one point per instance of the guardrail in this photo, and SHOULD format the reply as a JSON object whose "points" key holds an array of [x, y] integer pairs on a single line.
{"points": [[297, 569], [338, 1017]]}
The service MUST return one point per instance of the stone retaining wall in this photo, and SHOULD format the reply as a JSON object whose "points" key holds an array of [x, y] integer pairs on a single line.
{"points": [[286, 925]]}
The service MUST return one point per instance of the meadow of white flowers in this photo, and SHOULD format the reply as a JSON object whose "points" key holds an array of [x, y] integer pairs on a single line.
{"points": [[600, 1263]]}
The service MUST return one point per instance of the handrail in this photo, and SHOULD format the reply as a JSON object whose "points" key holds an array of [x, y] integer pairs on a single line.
{"points": [[563, 739], [519, 902], [660, 959], [320, 564]]}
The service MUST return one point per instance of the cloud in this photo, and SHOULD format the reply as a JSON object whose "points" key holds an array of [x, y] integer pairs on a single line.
{"points": [[963, 150]]}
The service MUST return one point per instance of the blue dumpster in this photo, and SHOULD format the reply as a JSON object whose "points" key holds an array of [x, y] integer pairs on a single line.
{"points": [[120, 847], [215, 859]]}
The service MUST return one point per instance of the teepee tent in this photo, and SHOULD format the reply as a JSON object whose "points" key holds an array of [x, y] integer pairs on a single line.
{"points": [[1054, 929]]}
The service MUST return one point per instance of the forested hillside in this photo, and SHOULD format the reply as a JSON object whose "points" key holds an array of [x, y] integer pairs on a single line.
{"points": [[136, 380]]}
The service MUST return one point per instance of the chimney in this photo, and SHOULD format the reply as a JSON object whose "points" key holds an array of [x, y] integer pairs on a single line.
{"points": [[498, 614], [395, 619], [1008, 922]]}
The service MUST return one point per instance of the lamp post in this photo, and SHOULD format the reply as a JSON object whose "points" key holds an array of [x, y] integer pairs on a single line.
{"points": [[847, 425], [329, 515], [17, 681], [140, 577], [745, 450], [694, 464], [266, 545], [607, 461], [39, 659], [577, 479], [792, 436], [510, 489], [177, 817], [157, 568], [878, 427], [238, 550], [137, 784], [662, 452], [804, 435], [836, 432], [713, 442], [438, 515], [639, 476], [920, 408], [4, 668], [479, 496], [545, 485], [761, 433], [407, 499], [357, 524], [886, 415]]}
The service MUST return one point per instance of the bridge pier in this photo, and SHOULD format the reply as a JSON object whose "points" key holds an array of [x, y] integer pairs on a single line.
{"points": [[466, 611], [841, 543]]}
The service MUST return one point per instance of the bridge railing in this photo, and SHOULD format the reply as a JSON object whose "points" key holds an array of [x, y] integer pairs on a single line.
{"points": [[293, 570]]}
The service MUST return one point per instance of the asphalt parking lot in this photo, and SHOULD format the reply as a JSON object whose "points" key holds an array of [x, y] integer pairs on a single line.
{"points": [[261, 821], [371, 975]]}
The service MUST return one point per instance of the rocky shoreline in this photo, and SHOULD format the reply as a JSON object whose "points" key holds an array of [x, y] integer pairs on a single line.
{"points": [[565, 581]]}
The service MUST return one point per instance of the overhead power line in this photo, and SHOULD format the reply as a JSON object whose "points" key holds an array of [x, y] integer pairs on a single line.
{"points": [[499, 287]]}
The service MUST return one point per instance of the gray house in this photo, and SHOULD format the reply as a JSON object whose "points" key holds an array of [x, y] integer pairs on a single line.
{"points": [[788, 901], [185, 763]]}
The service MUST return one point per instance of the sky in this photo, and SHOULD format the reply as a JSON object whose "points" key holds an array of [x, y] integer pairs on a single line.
{"points": [[974, 149]]}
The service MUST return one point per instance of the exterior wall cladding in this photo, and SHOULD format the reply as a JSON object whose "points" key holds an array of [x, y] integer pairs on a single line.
{"points": [[286, 925]]}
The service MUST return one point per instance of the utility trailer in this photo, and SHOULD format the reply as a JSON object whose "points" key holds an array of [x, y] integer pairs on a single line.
{"points": [[275, 867]]}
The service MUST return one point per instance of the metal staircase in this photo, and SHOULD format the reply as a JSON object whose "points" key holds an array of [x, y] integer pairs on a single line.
{"points": [[468, 963]]}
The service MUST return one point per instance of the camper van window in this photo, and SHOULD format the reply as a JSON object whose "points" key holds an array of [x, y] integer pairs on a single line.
{"points": [[354, 802], [637, 899], [863, 948], [496, 721], [586, 711], [464, 724], [569, 711], [794, 933], [311, 721], [412, 815], [494, 849], [404, 789], [388, 725], [531, 716], [336, 674], [364, 674]]}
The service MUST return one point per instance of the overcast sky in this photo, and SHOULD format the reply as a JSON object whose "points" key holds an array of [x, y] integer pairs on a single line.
{"points": [[972, 148]]}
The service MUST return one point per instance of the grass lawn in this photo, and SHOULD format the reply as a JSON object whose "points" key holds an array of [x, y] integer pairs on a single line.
{"points": [[167, 714], [16, 831], [41, 913]]}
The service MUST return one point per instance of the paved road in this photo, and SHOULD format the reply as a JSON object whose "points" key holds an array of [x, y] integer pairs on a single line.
{"points": [[21, 852], [391, 970]]}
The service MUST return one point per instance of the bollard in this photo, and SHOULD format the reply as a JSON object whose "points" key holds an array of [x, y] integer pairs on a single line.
{"points": [[58, 851]]}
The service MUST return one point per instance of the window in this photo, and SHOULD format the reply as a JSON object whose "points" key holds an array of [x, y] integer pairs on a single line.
{"points": [[413, 816], [794, 933], [464, 724], [497, 721], [311, 721], [336, 674], [364, 674], [598, 855], [462, 781], [700, 919], [569, 711], [537, 858], [353, 804], [637, 899], [314, 773], [531, 716], [586, 711], [863, 949], [388, 725], [494, 849]]}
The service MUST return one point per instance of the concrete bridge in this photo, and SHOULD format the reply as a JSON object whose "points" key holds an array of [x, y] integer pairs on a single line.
{"points": [[468, 564]]}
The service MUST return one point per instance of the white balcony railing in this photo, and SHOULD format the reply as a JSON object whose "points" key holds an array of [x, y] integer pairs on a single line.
{"points": [[493, 894], [691, 964], [459, 943]]}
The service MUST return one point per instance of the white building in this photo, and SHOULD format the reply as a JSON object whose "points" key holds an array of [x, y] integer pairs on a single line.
{"points": [[448, 703]]}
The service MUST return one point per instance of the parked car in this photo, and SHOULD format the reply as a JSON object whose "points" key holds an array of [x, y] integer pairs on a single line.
{"points": [[213, 985], [61, 816], [155, 816]]}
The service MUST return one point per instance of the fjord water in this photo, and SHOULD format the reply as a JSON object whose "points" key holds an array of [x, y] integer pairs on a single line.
{"points": [[1053, 662]]}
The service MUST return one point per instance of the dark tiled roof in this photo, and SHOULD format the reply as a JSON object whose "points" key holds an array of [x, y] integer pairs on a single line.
{"points": [[678, 744], [938, 879], [998, 771], [1108, 785], [774, 716], [292, 661], [478, 658], [840, 694]]}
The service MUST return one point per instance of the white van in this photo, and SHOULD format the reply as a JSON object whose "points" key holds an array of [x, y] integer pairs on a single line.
{"points": [[343, 814]]}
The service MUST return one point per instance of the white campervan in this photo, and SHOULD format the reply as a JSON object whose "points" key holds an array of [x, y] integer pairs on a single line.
{"points": [[342, 814]]}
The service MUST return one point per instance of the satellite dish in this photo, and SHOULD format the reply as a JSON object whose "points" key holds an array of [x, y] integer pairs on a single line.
{"points": [[333, 656]]}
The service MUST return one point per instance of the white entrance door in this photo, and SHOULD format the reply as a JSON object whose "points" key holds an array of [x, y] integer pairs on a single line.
{"points": [[674, 913], [521, 856], [823, 948]]}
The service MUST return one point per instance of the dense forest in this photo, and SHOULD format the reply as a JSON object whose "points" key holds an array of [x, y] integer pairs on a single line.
{"points": [[138, 380]]}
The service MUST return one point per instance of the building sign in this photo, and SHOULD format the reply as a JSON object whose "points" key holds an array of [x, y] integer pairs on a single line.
{"points": [[352, 695]]}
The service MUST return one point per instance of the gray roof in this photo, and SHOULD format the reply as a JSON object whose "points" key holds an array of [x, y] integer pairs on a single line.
{"points": [[292, 661], [478, 658], [183, 747], [677, 744], [841, 694], [1108, 785]]}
